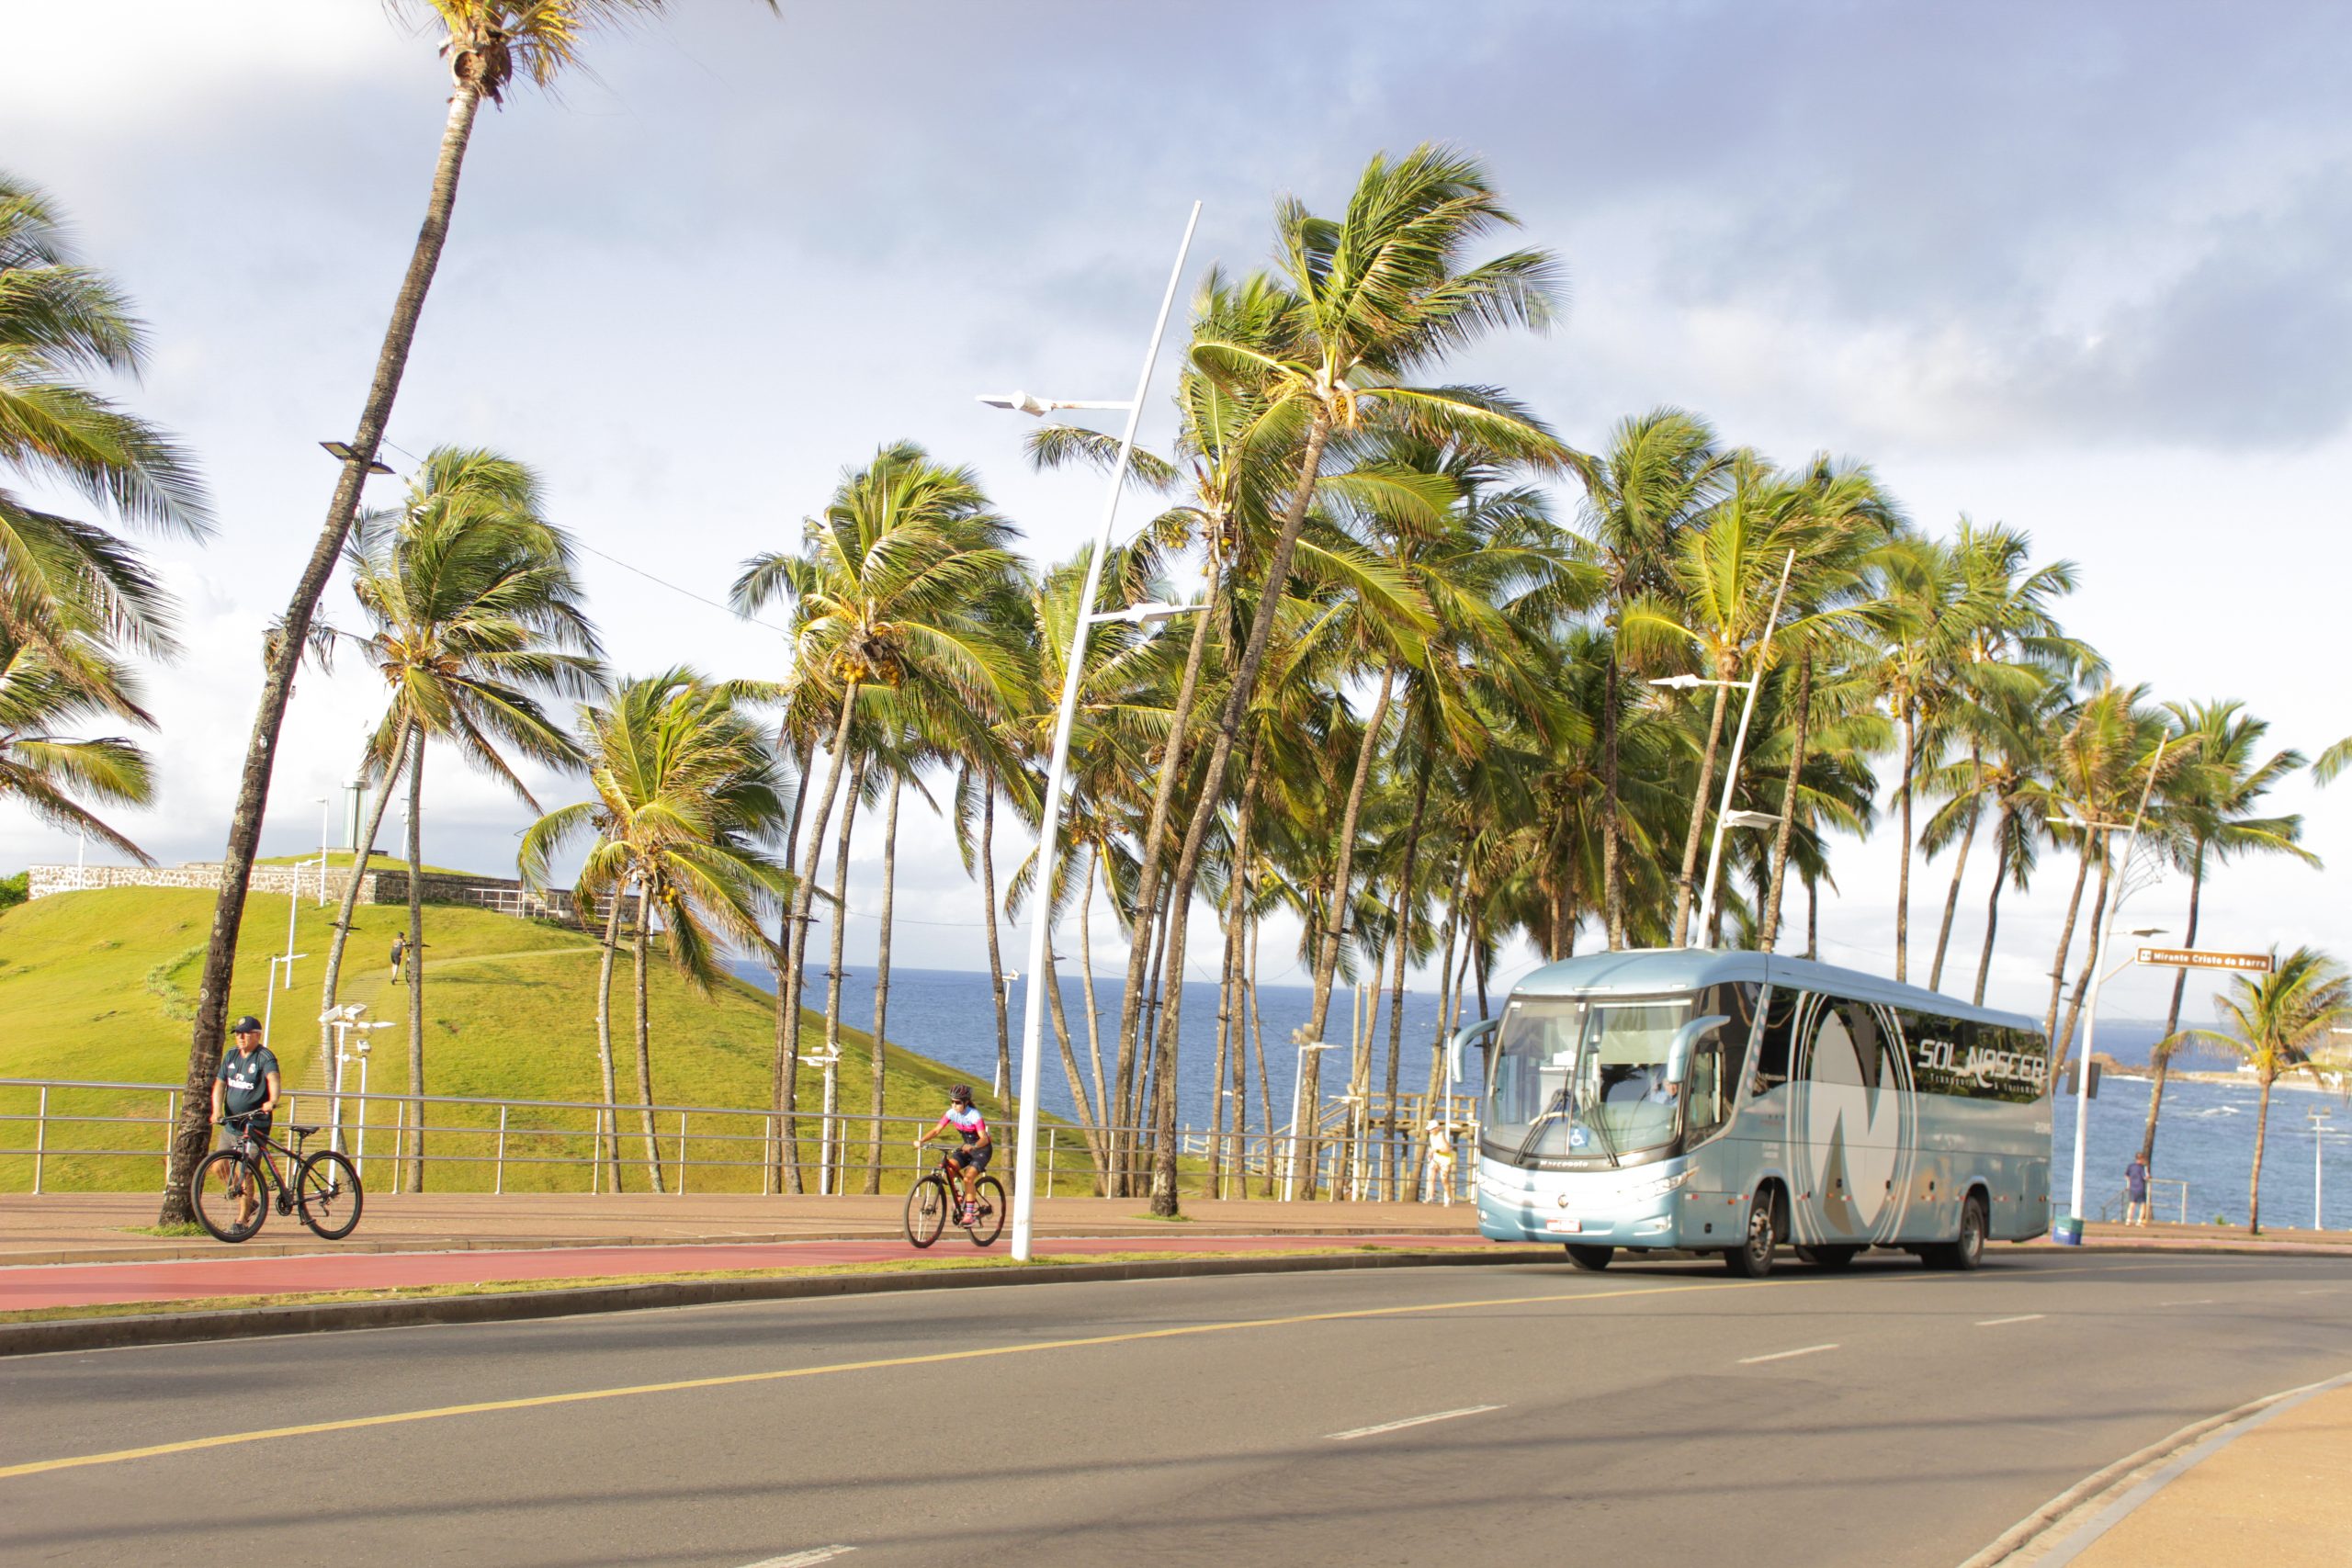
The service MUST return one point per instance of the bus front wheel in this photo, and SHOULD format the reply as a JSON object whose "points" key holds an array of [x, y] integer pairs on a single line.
{"points": [[1752, 1258], [1593, 1260]]}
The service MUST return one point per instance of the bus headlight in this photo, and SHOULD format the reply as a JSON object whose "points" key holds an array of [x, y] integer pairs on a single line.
{"points": [[1656, 1187]]}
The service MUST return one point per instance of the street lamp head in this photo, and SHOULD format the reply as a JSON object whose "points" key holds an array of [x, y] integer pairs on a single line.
{"points": [[1020, 402], [341, 452], [2149, 931], [1682, 682], [1144, 614], [1751, 819]]}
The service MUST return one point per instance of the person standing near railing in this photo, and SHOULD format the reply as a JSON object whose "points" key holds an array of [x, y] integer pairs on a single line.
{"points": [[2135, 1191], [247, 1087]]}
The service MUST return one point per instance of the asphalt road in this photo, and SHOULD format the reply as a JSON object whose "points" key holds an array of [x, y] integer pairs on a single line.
{"points": [[1659, 1414]]}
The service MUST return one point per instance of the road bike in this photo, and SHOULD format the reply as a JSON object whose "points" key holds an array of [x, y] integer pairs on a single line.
{"points": [[324, 1190], [938, 1195]]}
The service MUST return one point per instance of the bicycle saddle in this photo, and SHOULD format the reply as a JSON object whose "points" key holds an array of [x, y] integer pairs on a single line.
{"points": [[301, 1129]]}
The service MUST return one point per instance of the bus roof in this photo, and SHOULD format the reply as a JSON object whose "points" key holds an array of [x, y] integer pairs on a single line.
{"points": [[1650, 970]]}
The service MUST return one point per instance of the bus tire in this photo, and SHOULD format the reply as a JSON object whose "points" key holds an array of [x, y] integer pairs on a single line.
{"points": [[1752, 1258], [1965, 1254], [1592, 1260], [1829, 1259]]}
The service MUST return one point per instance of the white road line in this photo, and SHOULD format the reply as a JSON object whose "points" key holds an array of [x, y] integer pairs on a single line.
{"points": [[1784, 1355], [1997, 1322], [1408, 1421], [807, 1559], [2200, 1302]]}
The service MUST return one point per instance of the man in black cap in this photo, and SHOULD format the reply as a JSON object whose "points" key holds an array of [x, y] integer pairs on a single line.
{"points": [[246, 1087]]}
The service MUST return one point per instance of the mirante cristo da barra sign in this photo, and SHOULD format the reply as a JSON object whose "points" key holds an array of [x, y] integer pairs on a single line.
{"points": [[2201, 958]]}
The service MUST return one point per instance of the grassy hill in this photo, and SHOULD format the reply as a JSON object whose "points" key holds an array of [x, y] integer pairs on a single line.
{"points": [[101, 985]]}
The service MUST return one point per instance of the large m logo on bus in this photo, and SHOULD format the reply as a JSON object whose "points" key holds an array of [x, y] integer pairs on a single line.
{"points": [[1853, 1113]]}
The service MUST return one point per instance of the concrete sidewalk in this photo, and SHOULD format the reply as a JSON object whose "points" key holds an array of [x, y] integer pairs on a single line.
{"points": [[2268, 1491], [103, 1227]]}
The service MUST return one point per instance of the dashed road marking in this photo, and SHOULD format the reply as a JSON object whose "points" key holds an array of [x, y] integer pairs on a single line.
{"points": [[1784, 1355], [807, 1559], [1410, 1421], [2023, 1317]]}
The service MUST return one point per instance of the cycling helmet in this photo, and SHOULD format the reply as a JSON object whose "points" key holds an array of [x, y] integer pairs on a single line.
{"points": [[961, 1094], [248, 1024]]}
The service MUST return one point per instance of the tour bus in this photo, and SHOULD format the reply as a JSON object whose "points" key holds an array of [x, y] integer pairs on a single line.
{"points": [[1722, 1101]]}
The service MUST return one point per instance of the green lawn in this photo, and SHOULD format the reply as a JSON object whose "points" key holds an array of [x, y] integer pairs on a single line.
{"points": [[101, 985]]}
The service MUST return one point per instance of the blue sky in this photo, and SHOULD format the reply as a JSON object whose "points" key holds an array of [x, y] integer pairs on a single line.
{"points": [[2078, 270]]}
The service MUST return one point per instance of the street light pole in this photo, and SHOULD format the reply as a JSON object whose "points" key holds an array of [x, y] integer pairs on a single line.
{"points": [[1738, 746], [2099, 967], [1032, 1017], [2319, 1170], [1297, 1086]]}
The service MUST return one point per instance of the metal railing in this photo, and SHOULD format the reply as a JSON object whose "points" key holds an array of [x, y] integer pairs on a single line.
{"points": [[2115, 1208], [99, 1134]]}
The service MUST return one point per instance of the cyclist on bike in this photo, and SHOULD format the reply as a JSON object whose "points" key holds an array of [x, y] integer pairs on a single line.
{"points": [[246, 1089], [964, 1118]]}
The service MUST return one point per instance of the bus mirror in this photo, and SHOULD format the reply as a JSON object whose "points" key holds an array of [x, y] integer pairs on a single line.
{"points": [[1463, 1037], [1678, 1054]]}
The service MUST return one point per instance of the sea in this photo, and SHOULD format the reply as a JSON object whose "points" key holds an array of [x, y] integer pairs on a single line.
{"points": [[2206, 1137]]}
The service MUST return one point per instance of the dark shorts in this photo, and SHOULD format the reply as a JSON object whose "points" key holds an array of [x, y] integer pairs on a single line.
{"points": [[972, 1157]]}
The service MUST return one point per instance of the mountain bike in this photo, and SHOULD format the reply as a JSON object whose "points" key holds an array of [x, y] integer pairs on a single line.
{"points": [[934, 1198], [324, 1190]]}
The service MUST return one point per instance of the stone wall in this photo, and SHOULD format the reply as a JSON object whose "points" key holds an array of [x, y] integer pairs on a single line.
{"points": [[381, 885]]}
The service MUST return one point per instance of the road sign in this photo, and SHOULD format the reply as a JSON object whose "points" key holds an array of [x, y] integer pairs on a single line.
{"points": [[2201, 958]]}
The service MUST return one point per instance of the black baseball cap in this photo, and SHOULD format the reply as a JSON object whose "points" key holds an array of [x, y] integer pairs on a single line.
{"points": [[248, 1024]]}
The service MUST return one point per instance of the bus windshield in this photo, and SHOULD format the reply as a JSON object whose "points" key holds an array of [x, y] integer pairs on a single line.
{"points": [[1577, 1079]]}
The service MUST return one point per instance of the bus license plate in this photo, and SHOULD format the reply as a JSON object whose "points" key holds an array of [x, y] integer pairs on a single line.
{"points": [[1564, 1223]]}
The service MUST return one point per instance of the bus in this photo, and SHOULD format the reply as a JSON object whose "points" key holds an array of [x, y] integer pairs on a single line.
{"points": [[1701, 1101]]}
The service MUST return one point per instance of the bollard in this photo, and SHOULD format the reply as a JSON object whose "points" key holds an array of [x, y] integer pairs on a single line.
{"points": [[498, 1180], [171, 1129], [681, 1154], [40, 1138]]}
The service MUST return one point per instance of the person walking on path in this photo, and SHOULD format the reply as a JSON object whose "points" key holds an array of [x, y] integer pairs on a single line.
{"points": [[400, 951], [2136, 1190], [246, 1087]]}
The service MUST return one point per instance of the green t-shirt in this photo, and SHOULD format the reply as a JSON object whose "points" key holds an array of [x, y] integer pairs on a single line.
{"points": [[244, 1080]]}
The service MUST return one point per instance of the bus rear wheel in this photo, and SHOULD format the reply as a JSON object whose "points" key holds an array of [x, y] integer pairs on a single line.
{"points": [[1593, 1260], [1752, 1258], [1967, 1253]]}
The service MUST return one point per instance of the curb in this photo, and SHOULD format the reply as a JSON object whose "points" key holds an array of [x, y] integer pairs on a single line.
{"points": [[513, 1306]]}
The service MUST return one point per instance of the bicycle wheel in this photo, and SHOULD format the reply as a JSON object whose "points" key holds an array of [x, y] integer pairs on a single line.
{"points": [[223, 1185], [927, 1210], [989, 1223], [327, 1191]]}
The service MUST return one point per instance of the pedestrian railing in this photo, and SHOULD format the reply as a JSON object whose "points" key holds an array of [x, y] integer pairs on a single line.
{"points": [[87, 1135], [2164, 1192]]}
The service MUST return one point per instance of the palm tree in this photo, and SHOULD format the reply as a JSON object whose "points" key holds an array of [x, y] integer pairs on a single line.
{"points": [[897, 586], [46, 771], [2273, 1023], [1375, 296], [2214, 802], [1661, 472], [477, 615], [686, 792], [69, 588], [488, 44]]}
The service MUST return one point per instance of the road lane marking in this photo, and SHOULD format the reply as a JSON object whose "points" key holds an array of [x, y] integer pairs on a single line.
{"points": [[1775, 1355], [2024, 1317], [808, 1559], [1411, 1421], [737, 1380]]}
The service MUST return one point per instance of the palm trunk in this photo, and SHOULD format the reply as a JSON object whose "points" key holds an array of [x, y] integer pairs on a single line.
{"points": [[1812, 917], [1086, 985], [415, 1177], [1686, 877], [1952, 903], [2066, 943], [2161, 1054], [608, 1134], [1140, 945], [1434, 1101], [1224, 1044], [828, 1136], [1404, 935], [1257, 1051], [2002, 833], [1611, 830], [804, 894], [882, 986], [1096, 1149], [1335, 929], [645, 1038], [2261, 1134], [1229, 730], [1902, 875], [1784, 833], [195, 1130], [360, 856], [2090, 960], [996, 958], [782, 1071]]}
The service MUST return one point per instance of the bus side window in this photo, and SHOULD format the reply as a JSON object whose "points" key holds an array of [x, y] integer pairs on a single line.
{"points": [[1770, 1068]]}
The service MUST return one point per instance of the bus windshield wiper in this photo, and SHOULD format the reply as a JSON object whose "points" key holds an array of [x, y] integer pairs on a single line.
{"points": [[1550, 1114], [1607, 1143]]}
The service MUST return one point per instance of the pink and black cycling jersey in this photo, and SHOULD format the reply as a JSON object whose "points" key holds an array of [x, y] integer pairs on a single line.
{"points": [[966, 1119]]}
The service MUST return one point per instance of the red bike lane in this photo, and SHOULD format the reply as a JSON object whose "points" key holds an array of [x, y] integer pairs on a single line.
{"points": [[31, 1287]]}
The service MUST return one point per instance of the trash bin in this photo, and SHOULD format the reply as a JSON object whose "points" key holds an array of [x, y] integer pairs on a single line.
{"points": [[2066, 1231]]}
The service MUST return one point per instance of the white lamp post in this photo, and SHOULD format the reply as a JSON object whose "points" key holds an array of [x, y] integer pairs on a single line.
{"points": [[1724, 815], [1297, 1087], [1033, 1018], [2099, 966], [2318, 1173]]}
